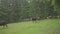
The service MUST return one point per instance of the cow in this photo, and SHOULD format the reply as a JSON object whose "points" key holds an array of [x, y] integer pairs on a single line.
{"points": [[3, 24], [34, 19], [58, 17], [49, 17]]}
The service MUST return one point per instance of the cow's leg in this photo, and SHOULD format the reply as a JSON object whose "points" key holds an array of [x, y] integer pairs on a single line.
{"points": [[1, 26], [34, 21], [6, 25]]}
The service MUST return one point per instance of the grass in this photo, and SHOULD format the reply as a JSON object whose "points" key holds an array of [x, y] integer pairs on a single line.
{"points": [[48, 26]]}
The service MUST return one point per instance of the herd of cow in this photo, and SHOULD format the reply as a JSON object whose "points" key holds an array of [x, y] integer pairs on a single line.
{"points": [[4, 23]]}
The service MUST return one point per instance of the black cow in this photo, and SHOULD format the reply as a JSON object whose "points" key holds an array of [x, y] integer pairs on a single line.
{"points": [[3, 23], [33, 19]]}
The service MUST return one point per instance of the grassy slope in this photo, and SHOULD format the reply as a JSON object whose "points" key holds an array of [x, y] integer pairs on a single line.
{"points": [[41, 27]]}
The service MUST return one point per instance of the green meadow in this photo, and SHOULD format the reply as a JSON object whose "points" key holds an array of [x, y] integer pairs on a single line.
{"points": [[47, 26]]}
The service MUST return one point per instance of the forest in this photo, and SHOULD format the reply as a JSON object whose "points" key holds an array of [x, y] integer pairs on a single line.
{"points": [[21, 10]]}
